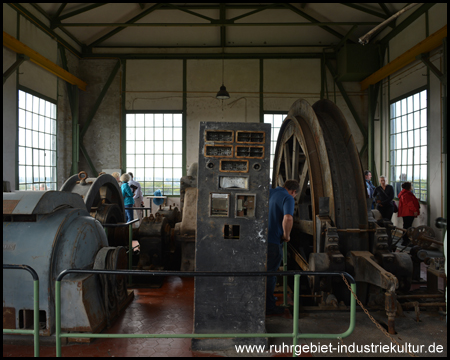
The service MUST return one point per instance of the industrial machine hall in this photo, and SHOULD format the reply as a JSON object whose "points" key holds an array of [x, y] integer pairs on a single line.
{"points": [[225, 179]]}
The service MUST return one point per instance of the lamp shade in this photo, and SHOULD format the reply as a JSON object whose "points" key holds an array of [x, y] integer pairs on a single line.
{"points": [[223, 93]]}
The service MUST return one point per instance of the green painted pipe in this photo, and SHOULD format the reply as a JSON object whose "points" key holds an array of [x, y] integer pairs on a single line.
{"points": [[58, 317], [344, 334], [35, 331], [36, 317], [130, 251], [295, 335], [285, 277], [296, 311]]}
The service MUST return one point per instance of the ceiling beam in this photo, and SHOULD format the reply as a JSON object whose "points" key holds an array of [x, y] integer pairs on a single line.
{"points": [[220, 23], [385, 9], [405, 23], [366, 10], [271, 6], [310, 18], [223, 31], [218, 56], [431, 42], [29, 16], [131, 21], [80, 11], [189, 12], [20, 48]]}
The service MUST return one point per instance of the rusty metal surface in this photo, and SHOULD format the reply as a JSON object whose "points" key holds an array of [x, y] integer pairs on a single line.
{"points": [[367, 270], [9, 318]]}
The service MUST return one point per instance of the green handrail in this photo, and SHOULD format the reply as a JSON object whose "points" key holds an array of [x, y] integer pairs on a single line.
{"points": [[285, 277], [295, 335], [35, 331]]}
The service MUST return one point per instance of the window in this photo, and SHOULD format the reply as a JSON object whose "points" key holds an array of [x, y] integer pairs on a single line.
{"points": [[275, 120], [408, 143], [154, 151], [37, 143]]}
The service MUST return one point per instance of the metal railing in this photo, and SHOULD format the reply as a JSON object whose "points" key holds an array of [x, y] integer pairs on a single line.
{"points": [[295, 334], [35, 330]]}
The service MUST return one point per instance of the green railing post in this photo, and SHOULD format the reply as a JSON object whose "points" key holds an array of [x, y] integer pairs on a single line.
{"points": [[36, 317], [58, 317], [294, 334], [130, 251], [296, 311], [285, 277], [35, 331]]}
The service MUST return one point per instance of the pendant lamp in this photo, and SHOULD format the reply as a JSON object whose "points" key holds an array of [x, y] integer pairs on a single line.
{"points": [[223, 93]]}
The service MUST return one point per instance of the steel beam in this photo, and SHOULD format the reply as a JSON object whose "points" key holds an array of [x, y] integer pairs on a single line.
{"points": [[405, 23], [89, 161], [366, 10], [13, 67], [310, 18], [99, 100], [60, 10], [430, 43], [373, 94], [20, 48], [72, 94], [223, 30], [216, 23], [207, 56], [133, 20], [253, 12], [79, 11], [424, 58], [190, 12], [385, 9]]}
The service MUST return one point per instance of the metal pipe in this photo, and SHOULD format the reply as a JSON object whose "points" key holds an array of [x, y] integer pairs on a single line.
{"points": [[420, 296], [412, 304], [294, 334], [363, 40], [296, 311], [285, 277]]}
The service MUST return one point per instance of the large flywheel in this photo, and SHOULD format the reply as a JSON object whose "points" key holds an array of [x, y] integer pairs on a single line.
{"points": [[316, 148]]}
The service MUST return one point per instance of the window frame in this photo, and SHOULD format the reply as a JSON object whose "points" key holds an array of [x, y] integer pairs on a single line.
{"points": [[273, 130], [182, 153], [33, 149], [391, 159]]}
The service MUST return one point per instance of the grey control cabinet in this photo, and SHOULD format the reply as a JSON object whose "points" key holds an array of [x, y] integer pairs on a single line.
{"points": [[232, 231]]}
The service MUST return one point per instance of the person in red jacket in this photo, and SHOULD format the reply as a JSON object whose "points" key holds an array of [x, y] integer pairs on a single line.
{"points": [[408, 208]]}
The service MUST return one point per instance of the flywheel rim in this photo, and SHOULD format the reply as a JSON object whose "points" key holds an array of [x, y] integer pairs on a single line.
{"points": [[305, 125]]}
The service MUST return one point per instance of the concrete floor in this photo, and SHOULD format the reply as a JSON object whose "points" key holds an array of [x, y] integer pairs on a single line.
{"points": [[169, 310]]}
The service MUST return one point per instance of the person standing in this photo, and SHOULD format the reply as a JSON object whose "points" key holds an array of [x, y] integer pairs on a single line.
{"points": [[138, 198], [384, 194], [281, 220], [127, 196], [369, 186], [408, 208]]}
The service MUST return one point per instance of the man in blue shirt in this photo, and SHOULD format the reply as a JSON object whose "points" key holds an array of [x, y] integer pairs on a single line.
{"points": [[281, 220]]}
